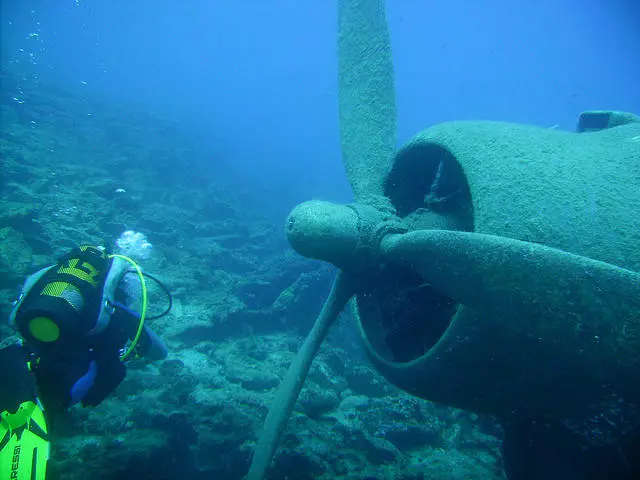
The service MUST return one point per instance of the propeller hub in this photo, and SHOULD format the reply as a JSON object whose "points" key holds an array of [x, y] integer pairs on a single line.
{"points": [[347, 236]]}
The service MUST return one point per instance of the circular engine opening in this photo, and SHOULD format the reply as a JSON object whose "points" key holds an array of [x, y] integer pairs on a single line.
{"points": [[428, 188], [402, 316]]}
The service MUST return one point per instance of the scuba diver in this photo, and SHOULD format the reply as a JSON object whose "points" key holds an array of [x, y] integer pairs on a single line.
{"points": [[80, 320]]}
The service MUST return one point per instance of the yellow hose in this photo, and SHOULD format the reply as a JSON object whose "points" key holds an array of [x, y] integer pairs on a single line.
{"points": [[143, 312]]}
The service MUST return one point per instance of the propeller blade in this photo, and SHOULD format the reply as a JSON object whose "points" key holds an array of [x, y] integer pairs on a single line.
{"points": [[573, 302], [366, 93], [288, 391]]}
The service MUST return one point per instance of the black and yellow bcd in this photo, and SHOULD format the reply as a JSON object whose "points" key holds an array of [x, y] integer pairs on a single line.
{"points": [[65, 301]]}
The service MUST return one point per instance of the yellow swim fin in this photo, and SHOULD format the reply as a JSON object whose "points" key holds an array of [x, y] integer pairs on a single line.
{"points": [[24, 443]]}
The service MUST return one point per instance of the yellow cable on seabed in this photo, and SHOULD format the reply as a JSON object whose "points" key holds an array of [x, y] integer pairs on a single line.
{"points": [[143, 313]]}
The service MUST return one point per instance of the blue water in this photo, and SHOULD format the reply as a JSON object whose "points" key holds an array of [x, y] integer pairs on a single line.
{"points": [[258, 78]]}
